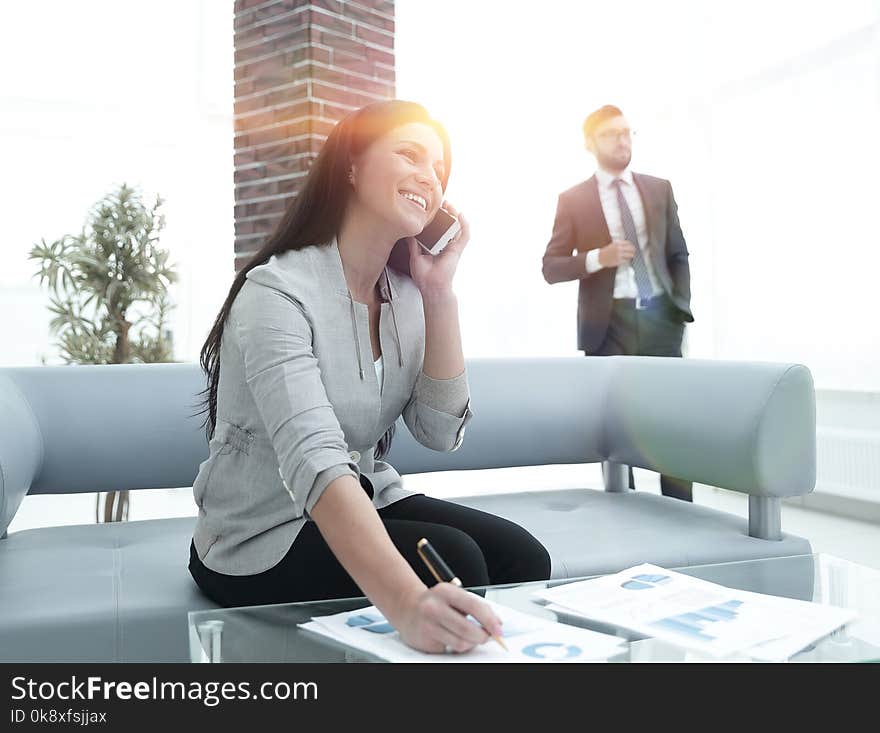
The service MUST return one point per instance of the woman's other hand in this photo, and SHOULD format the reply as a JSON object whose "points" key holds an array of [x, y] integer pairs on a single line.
{"points": [[435, 620]]}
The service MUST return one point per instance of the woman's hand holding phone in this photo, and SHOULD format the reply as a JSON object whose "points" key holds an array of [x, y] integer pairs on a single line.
{"points": [[433, 274]]}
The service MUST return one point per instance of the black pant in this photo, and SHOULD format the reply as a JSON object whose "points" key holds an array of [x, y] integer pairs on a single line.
{"points": [[653, 331], [481, 549]]}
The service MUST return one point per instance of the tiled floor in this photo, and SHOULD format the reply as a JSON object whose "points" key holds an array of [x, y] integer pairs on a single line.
{"points": [[847, 538]]}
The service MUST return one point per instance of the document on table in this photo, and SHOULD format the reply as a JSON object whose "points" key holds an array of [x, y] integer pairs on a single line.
{"points": [[528, 639], [697, 614], [806, 623]]}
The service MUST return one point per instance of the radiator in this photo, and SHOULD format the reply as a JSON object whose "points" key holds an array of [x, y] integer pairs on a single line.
{"points": [[848, 462]]}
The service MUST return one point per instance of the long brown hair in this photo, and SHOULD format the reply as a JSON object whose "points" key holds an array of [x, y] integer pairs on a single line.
{"points": [[314, 218]]}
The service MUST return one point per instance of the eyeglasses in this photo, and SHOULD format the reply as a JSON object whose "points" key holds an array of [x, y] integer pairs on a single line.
{"points": [[616, 135]]}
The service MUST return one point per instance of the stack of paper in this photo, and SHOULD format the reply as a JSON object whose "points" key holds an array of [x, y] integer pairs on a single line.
{"points": [[697, 614], [528, 639]]}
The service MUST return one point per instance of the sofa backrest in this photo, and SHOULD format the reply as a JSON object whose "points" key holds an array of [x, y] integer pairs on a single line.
{"points": [[107, 428], [747, 426], [739, 425]]}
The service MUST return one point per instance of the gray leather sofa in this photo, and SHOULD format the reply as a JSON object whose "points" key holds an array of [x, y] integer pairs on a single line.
{"points": [[122, 591]]}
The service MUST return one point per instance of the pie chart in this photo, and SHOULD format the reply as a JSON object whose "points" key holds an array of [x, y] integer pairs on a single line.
{"points": [[552, 650]]}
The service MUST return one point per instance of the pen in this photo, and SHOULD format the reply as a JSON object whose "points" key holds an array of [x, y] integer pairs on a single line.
{"points": [[442, 572]]}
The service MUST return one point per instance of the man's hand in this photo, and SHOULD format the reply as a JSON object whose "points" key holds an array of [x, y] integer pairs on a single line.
{"points": [[619, 252]]}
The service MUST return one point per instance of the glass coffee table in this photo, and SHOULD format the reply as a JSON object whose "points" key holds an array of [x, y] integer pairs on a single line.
{"points": [[271, 633]]}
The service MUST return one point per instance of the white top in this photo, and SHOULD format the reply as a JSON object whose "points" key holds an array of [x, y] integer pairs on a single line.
{"points": [[380, 371], [625, 279]]}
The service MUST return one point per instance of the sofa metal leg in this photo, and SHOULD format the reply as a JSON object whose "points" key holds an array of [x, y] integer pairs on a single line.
{"points": [[765, 517], [616, 477]]}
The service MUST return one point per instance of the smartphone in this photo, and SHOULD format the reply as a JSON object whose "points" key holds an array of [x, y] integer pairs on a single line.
{"points": [[433, 239], [439, 232]]}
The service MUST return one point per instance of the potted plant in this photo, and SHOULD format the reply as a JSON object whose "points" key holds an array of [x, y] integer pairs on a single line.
{"points": [[108, 287]]}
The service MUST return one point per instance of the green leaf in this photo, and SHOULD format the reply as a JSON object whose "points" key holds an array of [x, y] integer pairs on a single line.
{"points": [[95, 276]]}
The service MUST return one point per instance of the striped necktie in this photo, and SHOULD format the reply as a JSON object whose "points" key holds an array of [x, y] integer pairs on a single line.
{"points": [[643, 279]]}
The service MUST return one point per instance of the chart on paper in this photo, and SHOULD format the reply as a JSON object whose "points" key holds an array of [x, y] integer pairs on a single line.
{"points": [[529, 639]]}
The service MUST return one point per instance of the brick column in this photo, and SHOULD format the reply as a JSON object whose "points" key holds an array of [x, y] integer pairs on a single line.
{"points": [[299, 67]]}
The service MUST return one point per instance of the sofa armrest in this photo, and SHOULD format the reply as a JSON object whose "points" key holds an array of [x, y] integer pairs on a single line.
{"points": [[21, 450], [746, 426]]}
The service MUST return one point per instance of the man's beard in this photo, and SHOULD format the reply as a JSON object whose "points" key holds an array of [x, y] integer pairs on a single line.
{"points": [[613, 162]]}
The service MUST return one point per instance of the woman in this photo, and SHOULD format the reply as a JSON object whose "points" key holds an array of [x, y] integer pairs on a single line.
{"points": [[318, 349]]}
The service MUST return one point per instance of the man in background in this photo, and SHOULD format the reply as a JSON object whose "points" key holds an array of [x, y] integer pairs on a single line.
{"points": [[618, 234]]}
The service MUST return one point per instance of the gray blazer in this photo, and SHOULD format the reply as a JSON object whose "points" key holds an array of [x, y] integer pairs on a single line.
{"points": [[299, 404]]}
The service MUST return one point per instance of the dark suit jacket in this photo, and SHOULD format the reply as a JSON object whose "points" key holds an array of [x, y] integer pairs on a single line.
{"points": [[580, 226]]}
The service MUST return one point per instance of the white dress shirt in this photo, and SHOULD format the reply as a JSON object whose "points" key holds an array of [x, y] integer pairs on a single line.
{"points": [[625, 279]]}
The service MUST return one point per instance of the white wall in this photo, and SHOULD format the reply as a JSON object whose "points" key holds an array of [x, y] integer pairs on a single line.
{"points": [[763, 115], [795, 157], [99, 92]]}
